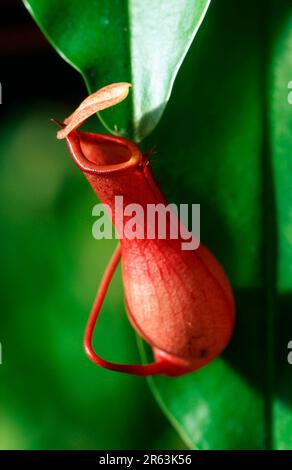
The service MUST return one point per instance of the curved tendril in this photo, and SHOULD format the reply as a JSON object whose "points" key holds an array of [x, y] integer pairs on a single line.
{"points": [[154, 368]]}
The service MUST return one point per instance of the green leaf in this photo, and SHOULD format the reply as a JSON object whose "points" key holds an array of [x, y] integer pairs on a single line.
{"points": [[143, 42], [224, 153], [281, 151]]}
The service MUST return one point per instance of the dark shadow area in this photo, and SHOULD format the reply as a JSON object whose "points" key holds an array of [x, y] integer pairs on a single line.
{"points": [[247, 350], [30, 69], [283, 334]]}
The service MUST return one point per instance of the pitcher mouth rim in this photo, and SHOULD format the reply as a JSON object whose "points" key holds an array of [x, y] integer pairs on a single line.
{"points": [[73, 141]]}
